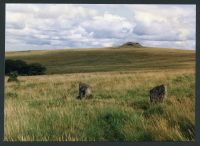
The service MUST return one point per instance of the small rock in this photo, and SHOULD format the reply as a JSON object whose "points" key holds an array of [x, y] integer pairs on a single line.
{"points": [[158, 93], [84, 91]]}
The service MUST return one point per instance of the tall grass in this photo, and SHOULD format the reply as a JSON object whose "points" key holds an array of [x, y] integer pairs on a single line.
{"points": [[45, 107]]}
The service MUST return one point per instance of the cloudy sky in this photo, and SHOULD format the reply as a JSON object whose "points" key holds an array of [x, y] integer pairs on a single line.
{"points": [[56, 26]]}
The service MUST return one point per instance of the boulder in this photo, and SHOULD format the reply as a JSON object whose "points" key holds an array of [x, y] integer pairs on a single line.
{"points": [[158, 93], [84, 91]]}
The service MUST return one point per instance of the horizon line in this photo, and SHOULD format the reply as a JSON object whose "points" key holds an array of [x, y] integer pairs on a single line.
{"points": [[53, 49]]}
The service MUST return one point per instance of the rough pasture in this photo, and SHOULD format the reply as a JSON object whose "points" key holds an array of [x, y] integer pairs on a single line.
{"points": [[45, 107]]}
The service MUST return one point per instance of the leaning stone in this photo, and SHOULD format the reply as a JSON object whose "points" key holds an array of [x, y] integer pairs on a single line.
{"points": [[158, 93], [84, 91]]}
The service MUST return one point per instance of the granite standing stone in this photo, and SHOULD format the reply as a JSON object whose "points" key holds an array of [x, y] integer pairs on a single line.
{"points": [[158, 93], [84, 90]]}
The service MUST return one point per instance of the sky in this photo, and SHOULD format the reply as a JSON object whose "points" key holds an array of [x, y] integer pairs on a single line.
{"points": [[62, 26]]}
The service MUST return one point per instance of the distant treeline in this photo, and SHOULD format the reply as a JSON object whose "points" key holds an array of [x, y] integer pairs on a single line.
{"points": [[22, 68]]}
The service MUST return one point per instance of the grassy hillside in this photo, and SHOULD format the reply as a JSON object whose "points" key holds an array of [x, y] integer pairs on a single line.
{"points": [[45, 107], [110, 59]]}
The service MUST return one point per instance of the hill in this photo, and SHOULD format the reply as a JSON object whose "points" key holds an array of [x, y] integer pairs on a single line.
{"points": [[108, 59], [119, 109]]}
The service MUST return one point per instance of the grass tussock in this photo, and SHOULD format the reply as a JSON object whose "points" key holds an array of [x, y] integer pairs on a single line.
{"points": [[44, 108]]}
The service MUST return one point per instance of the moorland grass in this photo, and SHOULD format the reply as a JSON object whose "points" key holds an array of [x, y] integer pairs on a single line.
{"points": [[45, 108], [108, 59]]}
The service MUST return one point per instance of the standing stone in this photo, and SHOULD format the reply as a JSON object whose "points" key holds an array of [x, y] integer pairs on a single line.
{"points": [[158, 93], [84, 90]]}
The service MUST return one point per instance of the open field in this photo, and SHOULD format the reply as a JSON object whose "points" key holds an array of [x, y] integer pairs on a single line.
{"points": [[45, 107], [108, 59]]}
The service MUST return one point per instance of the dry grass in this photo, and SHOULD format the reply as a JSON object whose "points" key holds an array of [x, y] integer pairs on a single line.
{"points": [[45, 108], [108, 59]]}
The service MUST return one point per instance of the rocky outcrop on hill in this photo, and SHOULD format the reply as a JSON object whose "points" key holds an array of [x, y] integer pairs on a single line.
{"points": [[132, 44]]}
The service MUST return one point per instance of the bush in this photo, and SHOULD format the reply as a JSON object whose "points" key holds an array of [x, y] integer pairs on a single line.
{"points": [[13, 77], [22, 68], [15, 65], [36, 69]]}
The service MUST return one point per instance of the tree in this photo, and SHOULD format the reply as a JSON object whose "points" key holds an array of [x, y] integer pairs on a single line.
{"points": [[22, 68], [36, 69], [15, 65]]}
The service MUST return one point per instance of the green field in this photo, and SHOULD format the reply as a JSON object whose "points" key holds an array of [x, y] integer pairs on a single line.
{"points": [[109, 59], [45, 107]]}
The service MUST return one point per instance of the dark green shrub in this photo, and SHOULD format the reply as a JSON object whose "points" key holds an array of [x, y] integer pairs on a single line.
{"points": [[15, 65], [36, 69], [22, 68], [13, 77]]}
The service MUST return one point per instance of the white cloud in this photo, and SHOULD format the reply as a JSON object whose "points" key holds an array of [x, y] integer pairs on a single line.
{"points": [[164, 22], [43, 26], [108, 26], [169, 44]]}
